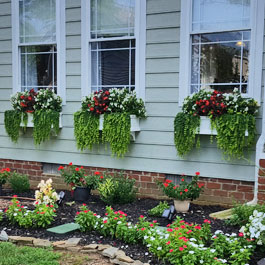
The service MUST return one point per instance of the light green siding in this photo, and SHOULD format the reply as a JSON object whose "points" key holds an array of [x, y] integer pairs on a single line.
{"points": [[154, 148]]}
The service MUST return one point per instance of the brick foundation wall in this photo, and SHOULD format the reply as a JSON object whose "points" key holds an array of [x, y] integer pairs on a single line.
{"points": [[261, 181], [217, 191]]}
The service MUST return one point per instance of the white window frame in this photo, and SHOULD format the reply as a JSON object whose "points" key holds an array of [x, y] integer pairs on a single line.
{"points": [[256, 49], [60, 46], [140, 46]]}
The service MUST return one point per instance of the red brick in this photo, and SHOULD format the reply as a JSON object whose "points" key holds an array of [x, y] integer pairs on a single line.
{"points": [[211, 185], [136, 177], [245, 188], [17, 166], [261, 187], [27, 166], [249, 196], [152, 186], [208, 192], [36, 167], [228, 187], [160, 179], [262, 163], [261, 180], [146, 173], [262, 172], [228, 181], [154, 174], [249, 183], [261, 197], [146, 178], [9, 165], [137, 172], [236, 182], [236, 195], [213, 180], [221, 193]]}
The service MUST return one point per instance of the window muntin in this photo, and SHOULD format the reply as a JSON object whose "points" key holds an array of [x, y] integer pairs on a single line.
{"points": [[112, 18], [220, 60], [112, 60], [221, 15], [37, 44], [38, 67]]}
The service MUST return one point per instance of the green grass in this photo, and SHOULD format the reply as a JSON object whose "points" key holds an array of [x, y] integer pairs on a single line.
{"points": [[13, 255]]}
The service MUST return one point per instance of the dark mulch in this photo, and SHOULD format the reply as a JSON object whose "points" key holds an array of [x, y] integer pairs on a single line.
{"points": [[66, 214]]}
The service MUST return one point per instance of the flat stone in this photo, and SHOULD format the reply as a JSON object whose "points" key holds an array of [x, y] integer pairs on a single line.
{"points": [[91, 246], [118, 262], [120, 255], [41, 243], [261, 262], [22, 240], [58, 243], [74, 249], [64, 229], [3, 236], [73, 242], [102, 247], [137, 262], [89, 251], [110, 252]]}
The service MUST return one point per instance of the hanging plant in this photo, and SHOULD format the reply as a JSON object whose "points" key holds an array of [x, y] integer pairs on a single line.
{"points": [[116, 132], [86, 129], [116, 128], [185, 128], [231, 115], [45, 106]]}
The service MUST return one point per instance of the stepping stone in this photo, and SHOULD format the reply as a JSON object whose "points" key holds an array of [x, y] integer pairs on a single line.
{"points": [[222, 215], [64, 229], [73, 242]]}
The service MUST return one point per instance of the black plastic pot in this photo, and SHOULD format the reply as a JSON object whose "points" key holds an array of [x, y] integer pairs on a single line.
{"points": [[81, 194]]}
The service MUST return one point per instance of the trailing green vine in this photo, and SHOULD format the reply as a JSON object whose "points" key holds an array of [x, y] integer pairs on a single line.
{"points": [[186, 126], [12, 124], [44, 121], [86, 129], [116, 132], [231, 138]]}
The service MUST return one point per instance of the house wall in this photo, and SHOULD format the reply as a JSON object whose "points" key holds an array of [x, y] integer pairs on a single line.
{"points": [[153, 150]]}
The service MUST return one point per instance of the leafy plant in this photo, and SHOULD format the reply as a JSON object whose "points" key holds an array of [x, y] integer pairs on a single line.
{"points": [[1, 215], [117, 189], [159, 209], [86, 129], [185, 128], [12, 124], [19, 183], [44, 122], [116, 132], [185, 190], [4, 175]]}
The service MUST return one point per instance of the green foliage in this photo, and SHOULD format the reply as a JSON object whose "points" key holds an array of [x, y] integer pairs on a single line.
{"points": [[159, 209], [12, 255], [1, 215], [118, 190], [185, 128], [231, 130], [86, 129], [242, 212], [44, 121], [12, 123], [116, 132], [19, 183], [4, 175]]}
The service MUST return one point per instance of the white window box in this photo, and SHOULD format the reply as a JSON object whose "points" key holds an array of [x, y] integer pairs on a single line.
{"points": [[30, 121], [135, 126], [205, 127]]}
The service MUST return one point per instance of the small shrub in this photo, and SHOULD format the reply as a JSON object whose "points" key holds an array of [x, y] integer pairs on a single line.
{"points": [[1, 215], [241, 213], [118, 190], [19, 183], [159, 209]]}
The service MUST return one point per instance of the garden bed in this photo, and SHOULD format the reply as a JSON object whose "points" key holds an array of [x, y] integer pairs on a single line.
{"points": [[66, 214]]}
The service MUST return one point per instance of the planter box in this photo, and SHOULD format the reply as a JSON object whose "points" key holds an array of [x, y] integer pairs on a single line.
{"points": [[30, 121], [135, 125], [205, 127]]}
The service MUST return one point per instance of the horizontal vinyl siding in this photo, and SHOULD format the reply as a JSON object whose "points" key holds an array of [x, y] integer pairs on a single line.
{"points": [[154, 148]]}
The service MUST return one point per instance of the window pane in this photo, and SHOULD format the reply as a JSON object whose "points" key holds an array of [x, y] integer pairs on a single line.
{"points": [[37, 19], [112, 18], [38, 67], [220, 14], [220, 61], [112, 67]]}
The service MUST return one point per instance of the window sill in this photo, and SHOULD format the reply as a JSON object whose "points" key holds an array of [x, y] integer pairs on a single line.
{"points": [[30, 121], [135, 125]]}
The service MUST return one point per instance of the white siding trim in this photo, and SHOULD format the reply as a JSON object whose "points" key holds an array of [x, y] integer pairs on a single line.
{"points": [[140, 34], [256, 50], [60, 44]]}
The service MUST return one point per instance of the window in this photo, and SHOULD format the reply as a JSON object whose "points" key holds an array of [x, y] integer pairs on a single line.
{"points": [[113, 45], [38, 43], [221, 46]]}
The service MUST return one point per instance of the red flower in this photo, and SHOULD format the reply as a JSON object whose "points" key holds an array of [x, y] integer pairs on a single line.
{"points": [[97, 173], [70, 164], [8, 169], [186, 190], [91, 109], [143, 229], [197, 173], [60, 168], [141, 216], [168, 243], [174, 187], [171, 250], [168, 181], [181, 248], [180, 193], [197, 227], [182, 179], [101, 177], [76, 169], [240, 234], [170, 230], [207, 221], [14, 196], [105, 221], [166, 185], [151, 225]]}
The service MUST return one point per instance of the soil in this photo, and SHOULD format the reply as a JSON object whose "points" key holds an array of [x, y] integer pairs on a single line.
{"points": [[67, 211]]}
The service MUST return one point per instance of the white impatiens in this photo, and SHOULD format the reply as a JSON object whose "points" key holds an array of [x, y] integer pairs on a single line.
{"points": [[255, 228]]}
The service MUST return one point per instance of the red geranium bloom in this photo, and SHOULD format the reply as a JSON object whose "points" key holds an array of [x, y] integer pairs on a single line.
{"points": [[197, 173], [166, 185], [76, 169], [186, 190], [70, 164], [181, 248]]}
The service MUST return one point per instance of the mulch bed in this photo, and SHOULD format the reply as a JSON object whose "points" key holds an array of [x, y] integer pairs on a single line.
{"points": [[66, 214]]}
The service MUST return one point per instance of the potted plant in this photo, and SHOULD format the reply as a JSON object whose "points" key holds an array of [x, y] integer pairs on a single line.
{"points": [[42, 108], [80, 182], [231, 115], [183, 193], [4, 175], [115, 112]]}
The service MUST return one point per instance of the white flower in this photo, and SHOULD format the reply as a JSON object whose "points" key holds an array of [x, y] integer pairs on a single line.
{"points": [[15, 214], [191, 252], [159, 248]]}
